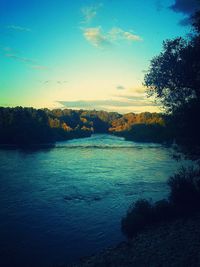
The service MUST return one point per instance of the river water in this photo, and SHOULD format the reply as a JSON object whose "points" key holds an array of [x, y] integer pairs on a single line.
{"points": [[60, 204]]}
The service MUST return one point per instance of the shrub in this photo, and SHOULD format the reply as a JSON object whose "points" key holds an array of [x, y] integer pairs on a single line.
{"points": [[138, 216], [185, 190], [184, 200], [163, 210]]}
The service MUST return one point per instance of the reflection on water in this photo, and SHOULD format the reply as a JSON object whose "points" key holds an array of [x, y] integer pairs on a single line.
{"points": [[66, 202]]}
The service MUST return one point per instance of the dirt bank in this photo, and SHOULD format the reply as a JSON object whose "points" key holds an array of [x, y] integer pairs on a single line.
{"points": [[174, 243]]}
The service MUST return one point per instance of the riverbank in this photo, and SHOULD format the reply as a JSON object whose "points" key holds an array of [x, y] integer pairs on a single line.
{"points": [[174, 243]]}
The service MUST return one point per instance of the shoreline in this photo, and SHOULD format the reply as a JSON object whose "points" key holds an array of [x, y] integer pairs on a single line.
{"points": [[174, 243]]}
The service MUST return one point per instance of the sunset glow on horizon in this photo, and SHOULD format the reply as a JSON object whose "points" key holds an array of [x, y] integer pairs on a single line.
{"points": [[82, 54]]}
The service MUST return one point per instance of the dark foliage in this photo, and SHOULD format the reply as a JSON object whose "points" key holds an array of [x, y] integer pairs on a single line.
{"points": [[184, 200], [184, 124], [137, 217], [149, 133], [144, 127], [145, 213], [174, 79], [185, 190], [26, 126], [23, 126]]}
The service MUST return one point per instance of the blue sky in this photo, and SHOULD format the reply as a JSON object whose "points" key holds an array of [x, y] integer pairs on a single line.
{"points": [[83, 54]]}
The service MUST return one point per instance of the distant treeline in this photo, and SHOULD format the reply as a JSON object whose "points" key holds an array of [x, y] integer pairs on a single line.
{"points": [[35, 126]]}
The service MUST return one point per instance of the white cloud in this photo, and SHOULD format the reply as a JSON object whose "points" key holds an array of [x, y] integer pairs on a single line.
{"points": [[133, 105], [90, 12], [131, 37], [118, 103], [117, 33], [18, 28], [97, 37]]}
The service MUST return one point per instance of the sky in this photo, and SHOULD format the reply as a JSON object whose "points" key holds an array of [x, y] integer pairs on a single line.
{"points": [[84, 54]]}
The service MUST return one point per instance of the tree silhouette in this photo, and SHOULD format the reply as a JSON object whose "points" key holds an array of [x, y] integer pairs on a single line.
{"points": [[174, 75], [174, 79]]}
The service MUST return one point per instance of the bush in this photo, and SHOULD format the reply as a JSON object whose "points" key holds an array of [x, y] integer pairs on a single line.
{"points": [[185, 190], [184, 200], [163, 210], [137, 217], [144, 213]]}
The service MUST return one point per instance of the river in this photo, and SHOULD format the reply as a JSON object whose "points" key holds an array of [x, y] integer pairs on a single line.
{"points": [[59, 204]]}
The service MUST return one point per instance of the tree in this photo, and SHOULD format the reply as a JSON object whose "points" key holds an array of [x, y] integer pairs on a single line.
{"points": [[174, 75], [174, 80]]}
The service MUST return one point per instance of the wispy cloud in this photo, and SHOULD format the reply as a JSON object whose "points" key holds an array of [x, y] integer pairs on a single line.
{"points": [[99, 38], [39, 67], [141, 90], [18, 28], [6, 48], [19, 58], [117, 33], [96, 36], [90, 12], [15, 55], [11, 54], [130, 36], [62, 82], [132, 97], [107, 103], [120, 87], [54, 82]]}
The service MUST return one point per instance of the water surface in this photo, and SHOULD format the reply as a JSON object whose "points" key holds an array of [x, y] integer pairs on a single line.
{"points": [[59, 204]]}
